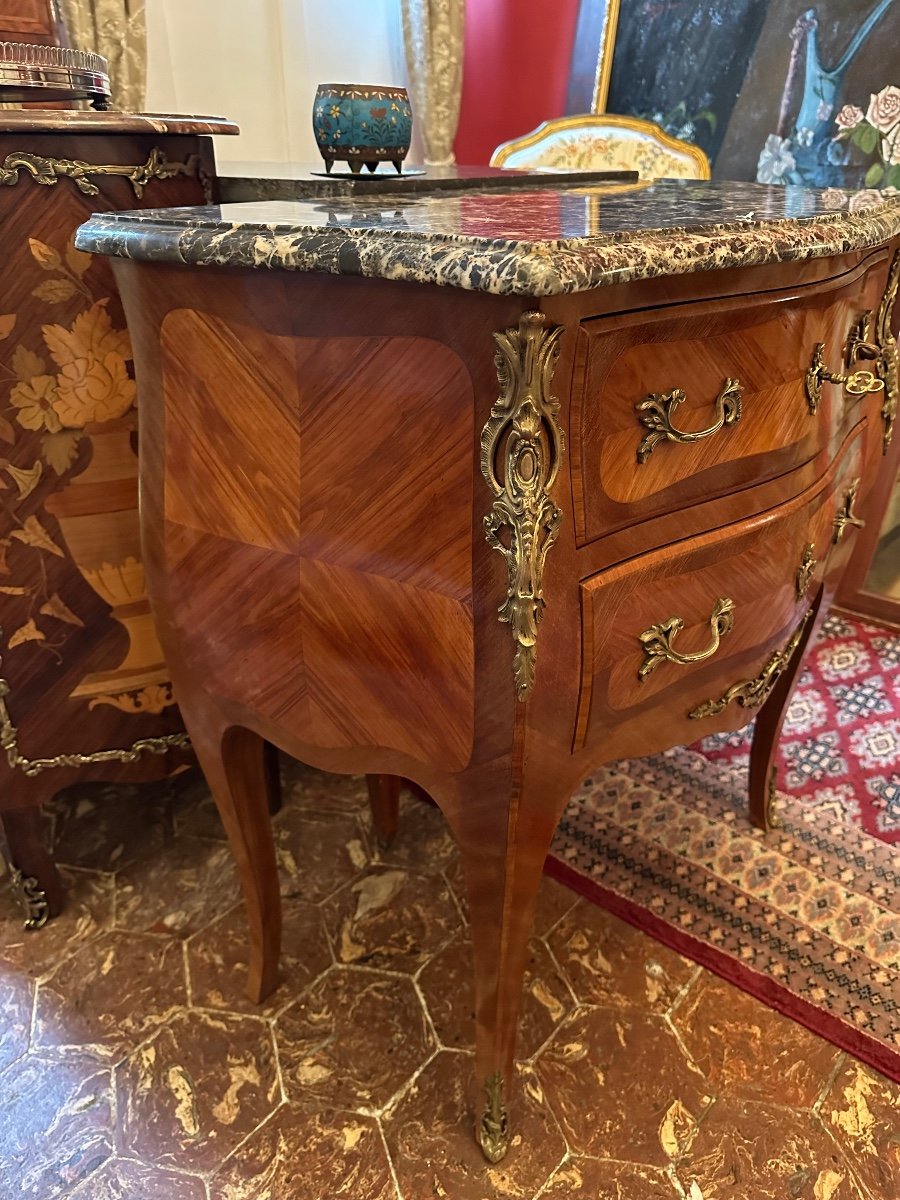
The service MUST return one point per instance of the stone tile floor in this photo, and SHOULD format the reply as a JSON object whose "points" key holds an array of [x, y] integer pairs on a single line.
{"points": [[133, 1068]]}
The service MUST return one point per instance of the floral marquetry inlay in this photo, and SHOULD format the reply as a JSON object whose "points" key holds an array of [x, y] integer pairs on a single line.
{"points": [[68, 433]]}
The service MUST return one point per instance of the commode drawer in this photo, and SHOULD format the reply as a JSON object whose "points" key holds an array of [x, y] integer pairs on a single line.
{"points": [[705, 399], [687, 640]]}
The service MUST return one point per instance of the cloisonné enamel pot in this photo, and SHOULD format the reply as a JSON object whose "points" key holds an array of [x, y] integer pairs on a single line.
{"points": [[362, 124]]}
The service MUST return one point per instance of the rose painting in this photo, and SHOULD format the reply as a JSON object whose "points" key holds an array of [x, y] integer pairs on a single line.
{"points": [[779, 91]]}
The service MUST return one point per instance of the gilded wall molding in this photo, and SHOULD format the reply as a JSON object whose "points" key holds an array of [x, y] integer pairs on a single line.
{"points": [[521, 446]]}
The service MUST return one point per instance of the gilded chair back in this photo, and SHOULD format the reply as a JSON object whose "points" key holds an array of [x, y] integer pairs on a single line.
{"points": [[603, 141]]}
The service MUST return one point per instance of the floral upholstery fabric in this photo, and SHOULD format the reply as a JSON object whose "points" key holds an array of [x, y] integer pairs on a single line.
{"points": [[596, 149]]}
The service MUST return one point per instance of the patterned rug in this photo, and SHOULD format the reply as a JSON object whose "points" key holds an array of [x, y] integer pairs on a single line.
{"points": [[840, 748], [807, 917]]}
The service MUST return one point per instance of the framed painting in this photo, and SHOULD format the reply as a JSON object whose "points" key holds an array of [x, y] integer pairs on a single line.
{"points": [[783, 91]]}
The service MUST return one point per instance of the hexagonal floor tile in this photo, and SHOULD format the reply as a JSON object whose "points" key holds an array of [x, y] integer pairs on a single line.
{"points": [[308, 1155], [742, 1046], [621, 1087], [112, 994], [448, 985], [180, 892], [553, 902], [352, 1040], [194, 811], [217, 959], [318, 852], [126, 1179], [423, 843], [16, 1003], [55, 1127], [190, 1095], [592, 1179], [107, 827], [430, 1136], [90, 900], [322, 791], [391, 919], [767, 1153], [612, 964], [862, 1112]]}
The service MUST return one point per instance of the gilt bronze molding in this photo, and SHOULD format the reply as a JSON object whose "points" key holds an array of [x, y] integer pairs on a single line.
{"points": [[493, 1128], [878, 342], [48, 171], [17, 761], [808, 564], [658, 640], [521, 445], [845, 514], [753, 693], [657, 413]]}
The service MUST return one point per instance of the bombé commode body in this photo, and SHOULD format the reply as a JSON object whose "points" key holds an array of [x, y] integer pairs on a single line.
{"points": [[587, 500]]}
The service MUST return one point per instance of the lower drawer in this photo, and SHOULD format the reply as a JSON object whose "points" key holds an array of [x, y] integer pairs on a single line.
{"points": [[694, 631]]}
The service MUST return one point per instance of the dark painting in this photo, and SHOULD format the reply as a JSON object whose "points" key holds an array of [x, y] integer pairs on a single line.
{"points": [[776, 90]]}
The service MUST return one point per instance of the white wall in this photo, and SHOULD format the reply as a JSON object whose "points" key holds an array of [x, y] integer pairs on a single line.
{"points": [[258, 62]]}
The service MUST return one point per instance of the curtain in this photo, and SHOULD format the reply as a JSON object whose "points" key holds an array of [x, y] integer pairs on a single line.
{"points": [[433, 41], [115, 29]]}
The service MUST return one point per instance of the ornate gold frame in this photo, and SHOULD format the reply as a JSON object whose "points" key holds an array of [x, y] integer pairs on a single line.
{"points": [[599, 121], [603, 72]]}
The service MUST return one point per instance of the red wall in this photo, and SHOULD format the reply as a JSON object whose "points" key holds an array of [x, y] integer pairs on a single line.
{"points": [[515, 71]]}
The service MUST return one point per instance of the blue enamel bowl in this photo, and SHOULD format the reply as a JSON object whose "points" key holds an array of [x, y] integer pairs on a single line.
{"points": [[362, 125]]}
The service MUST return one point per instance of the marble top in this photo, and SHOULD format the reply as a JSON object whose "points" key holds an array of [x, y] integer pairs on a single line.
{"points": [[85, 120], [534, 243], [241, 182]]}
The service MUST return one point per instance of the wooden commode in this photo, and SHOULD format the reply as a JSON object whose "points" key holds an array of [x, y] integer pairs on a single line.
{"points": [[486, 490]]}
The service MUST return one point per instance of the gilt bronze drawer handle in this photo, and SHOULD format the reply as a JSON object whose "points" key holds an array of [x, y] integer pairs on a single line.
{"points": [[752, 693], [857, 383], [879, 343], [845, 514], [808, 564], [658, 639], [657, 412]]}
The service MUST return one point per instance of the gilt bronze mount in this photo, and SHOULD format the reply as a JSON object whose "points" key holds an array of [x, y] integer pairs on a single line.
{"points": [[48, 171], [521, 446]]}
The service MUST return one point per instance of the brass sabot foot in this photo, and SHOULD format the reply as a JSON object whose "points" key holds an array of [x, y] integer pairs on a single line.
{"points": [[493, 1129], [31, 898]]}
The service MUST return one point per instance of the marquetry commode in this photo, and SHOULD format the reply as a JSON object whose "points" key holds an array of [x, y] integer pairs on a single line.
{"points": [[84, 689], [487, 490]]}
